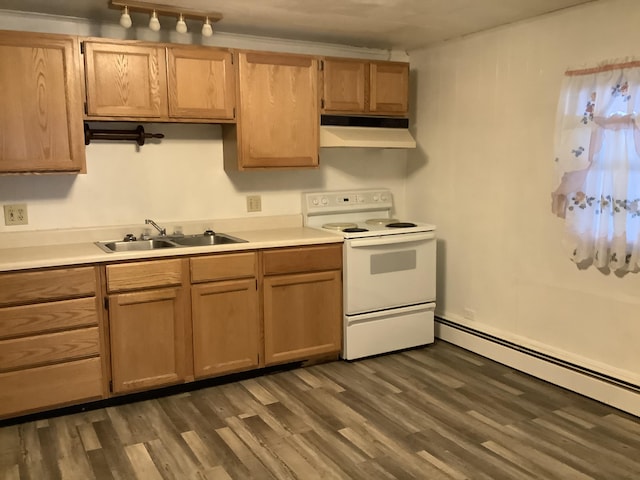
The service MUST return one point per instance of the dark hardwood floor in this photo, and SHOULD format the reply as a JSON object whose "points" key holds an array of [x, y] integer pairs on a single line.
{"points": [[437, 412]]}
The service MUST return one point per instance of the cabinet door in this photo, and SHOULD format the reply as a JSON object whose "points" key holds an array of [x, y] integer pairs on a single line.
{"points": [[345, 86], [41, 105], [302, 316], [389, 88], [147, 339], [125, 80], [226, 327], [278, 124], [201, 83]]}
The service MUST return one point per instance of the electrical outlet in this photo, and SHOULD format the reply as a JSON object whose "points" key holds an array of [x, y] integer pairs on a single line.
{"points": [[16, 214], [254, 203], [469, 314]]}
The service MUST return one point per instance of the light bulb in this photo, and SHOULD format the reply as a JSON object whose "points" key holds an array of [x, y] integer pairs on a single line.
{"points": [[207, 30], [125, 18], [154, 23], [181, 26]]}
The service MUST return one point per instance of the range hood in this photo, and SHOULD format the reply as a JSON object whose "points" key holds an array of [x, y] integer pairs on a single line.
{"points": [[368, 132]]}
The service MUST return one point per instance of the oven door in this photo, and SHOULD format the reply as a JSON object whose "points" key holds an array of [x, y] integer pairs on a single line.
{"points": [[389, 271]]}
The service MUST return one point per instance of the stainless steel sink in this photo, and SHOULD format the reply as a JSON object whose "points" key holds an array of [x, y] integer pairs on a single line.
{"points": [[206, 240], [135, 245], [130, 244]]}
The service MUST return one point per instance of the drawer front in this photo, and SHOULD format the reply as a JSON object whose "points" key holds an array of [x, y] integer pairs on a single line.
{"points": [[133, 276], [303, 259], [28, 287], [53, 347], [47, 317], [41, 388], [223, 267]]}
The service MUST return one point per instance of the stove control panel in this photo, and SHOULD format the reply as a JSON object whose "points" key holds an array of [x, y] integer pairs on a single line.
{"points": [[322, 203]]}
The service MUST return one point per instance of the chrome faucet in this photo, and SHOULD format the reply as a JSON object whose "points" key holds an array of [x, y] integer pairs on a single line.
{"points": [[163, 231]]}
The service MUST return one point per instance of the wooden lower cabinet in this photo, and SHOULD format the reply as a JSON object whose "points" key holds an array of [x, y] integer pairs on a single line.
{"points": [[169, 321], [147, 339], [224, 312], [302, 307], [50, 339], [148, 315], [226, 327], [41, 388]]}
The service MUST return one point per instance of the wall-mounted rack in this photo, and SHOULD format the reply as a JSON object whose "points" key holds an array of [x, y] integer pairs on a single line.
{"points": [[138, 134]]}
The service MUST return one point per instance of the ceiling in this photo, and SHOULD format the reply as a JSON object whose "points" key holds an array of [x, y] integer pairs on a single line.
{"points": [[388, 24]]}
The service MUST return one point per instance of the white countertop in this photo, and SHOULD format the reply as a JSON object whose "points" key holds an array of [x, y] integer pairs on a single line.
{"points": [[13, 257]]}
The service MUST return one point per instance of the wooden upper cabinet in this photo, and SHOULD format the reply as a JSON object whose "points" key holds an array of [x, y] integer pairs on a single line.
{"points": [[362, 87], [389, 88], [279, 119], [125, 80], [41, 104], [201, 83], [158, 82], [345, 85]]}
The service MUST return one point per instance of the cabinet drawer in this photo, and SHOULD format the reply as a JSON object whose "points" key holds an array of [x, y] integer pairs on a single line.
{"points": [[132, 276], [305, 259], [47, 317], [53, 347], [25, 391], [28, 287], [223, 267]]}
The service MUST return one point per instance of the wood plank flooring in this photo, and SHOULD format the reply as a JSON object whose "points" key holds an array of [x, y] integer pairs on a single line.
{"points": [[437, 412]]}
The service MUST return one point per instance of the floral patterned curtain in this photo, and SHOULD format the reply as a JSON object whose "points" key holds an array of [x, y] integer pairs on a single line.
{"points": [[598, 164]]}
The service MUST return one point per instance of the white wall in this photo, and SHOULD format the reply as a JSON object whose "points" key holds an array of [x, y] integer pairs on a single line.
{"points": [[484, 172], [181, 177]]}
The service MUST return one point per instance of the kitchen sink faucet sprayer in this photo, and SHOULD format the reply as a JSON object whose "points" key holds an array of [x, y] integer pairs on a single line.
{"points": [[163, 231]]}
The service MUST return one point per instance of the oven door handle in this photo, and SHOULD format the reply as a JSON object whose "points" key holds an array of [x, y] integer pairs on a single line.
{"points": [[391, 239]]}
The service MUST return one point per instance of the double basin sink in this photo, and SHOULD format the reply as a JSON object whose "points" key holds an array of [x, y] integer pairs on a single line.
{"points": [[131, 244]]}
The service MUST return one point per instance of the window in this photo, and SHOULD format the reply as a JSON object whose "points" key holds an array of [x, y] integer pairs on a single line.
{"points": [[598, 164]]}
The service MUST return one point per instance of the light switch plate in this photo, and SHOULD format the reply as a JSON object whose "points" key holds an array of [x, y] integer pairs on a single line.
{"points": [[16, 214]]}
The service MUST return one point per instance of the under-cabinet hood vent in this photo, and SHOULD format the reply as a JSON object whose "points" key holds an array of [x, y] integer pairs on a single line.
{"points": [[367, 132]]}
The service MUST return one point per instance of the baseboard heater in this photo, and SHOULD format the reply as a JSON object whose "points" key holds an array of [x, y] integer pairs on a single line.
{"points": [[542, 356]]}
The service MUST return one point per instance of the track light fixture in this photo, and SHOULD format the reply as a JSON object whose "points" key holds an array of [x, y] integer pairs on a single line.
{"points": [[154, 10], [154, 23], [181, 25], [125, 18], [207, 29]]}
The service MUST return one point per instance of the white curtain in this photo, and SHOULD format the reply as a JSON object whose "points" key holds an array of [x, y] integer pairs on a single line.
{"points": [[598, 166]]}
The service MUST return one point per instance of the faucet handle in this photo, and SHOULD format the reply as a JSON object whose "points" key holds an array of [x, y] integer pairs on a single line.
{"points": [[163, 231], [129, 237]]}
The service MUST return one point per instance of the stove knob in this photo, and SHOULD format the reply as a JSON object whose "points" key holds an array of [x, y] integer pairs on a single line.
{"points": [[315, 201], [325, 201], [383, 198], [376, 197]]}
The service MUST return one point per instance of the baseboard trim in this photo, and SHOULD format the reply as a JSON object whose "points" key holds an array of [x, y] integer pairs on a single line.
{"points": [[604, 388]]}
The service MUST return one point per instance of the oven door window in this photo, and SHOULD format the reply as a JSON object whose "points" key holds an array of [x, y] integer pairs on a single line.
{"points": [[389, 271], [393, 262]]}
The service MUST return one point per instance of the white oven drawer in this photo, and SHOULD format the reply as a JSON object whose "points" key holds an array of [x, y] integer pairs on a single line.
{"points": [[389, 271], [380, 332]]}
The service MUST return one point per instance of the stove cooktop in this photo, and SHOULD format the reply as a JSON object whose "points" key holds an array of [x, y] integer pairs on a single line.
{"points": [[361, 230], [356, 213]]}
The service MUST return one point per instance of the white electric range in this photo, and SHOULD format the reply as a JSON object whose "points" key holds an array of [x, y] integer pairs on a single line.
{"points": [[389, 268]]}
